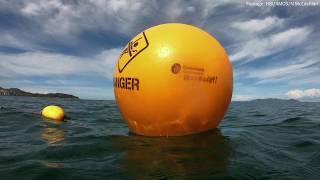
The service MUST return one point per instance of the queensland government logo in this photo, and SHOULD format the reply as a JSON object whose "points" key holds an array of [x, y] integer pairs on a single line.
{"points": [[175, 68]]}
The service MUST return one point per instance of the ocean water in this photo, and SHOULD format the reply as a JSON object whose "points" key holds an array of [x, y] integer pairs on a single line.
{"points": [[263, 139]]}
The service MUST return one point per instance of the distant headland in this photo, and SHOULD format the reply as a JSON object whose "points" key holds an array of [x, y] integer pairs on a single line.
{"points": [[272, 100], [275, 100], [19, 92]]}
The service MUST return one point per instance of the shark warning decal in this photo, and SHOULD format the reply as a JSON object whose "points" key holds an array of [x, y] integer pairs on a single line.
{"points": [[132, 49]]}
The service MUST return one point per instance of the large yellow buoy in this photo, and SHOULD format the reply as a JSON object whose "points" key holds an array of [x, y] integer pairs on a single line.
{"points": [[53, 113], [172, 80]]}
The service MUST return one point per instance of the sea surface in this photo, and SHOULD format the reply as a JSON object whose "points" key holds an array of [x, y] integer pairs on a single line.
{"points": [[262, 139]]}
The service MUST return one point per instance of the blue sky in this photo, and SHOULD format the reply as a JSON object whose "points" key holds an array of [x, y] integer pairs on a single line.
{"points": [[71, 46]]}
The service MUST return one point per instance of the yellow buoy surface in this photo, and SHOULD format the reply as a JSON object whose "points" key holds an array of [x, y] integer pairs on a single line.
{"points": [[171, 80], [53, 113]]}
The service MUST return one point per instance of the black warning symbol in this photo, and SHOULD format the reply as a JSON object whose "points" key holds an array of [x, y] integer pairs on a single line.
{"points": [[132, 49]]}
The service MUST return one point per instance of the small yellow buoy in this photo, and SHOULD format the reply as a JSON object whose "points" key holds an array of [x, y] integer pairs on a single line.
{"points": [[53, 113], [171, 80]]}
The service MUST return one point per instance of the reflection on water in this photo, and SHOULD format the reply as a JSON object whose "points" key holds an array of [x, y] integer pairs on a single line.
{"points": [[201, 155], [50, 164], [52, 133]]}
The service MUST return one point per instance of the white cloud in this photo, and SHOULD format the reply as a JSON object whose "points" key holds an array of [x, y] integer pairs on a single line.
{"points": [[48, 64], [38, 7], [68, 19], [18, 70], [301, 69], [307, 94], [258, 25], [68, 25], [296, 68], [260, 47], [126, 17], [59, 22], [109, 58], [9, 40]]}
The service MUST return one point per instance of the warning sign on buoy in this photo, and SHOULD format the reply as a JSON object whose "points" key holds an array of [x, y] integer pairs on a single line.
{"points": [[133, 48]]}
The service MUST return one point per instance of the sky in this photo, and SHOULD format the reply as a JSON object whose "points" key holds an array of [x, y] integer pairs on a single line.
{"points": [[71, 46]]}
